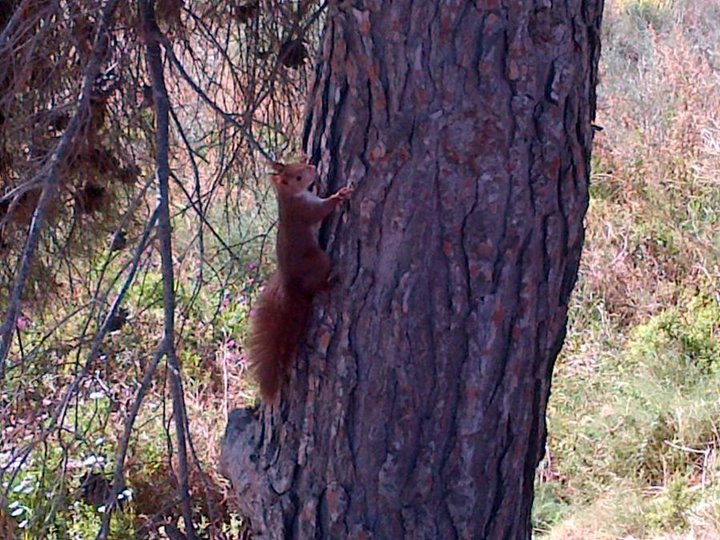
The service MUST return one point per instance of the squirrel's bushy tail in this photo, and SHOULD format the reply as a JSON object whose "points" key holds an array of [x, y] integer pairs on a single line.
{"points": [[277, 322]]}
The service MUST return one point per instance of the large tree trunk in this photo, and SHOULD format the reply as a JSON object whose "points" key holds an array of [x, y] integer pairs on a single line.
{"points": [[417, 406]]}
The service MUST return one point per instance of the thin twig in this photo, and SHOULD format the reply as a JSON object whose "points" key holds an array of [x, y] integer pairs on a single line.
{"points": [[214, 106], [162, 115]]}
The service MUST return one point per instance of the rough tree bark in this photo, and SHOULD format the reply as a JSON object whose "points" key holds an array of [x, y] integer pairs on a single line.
{"points": [[417, 406]]}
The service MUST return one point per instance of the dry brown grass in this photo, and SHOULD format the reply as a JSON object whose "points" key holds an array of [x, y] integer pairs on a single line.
{"points": [[653, 220]]}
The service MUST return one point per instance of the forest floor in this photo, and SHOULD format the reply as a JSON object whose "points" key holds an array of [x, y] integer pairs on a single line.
{"points": [[634, 417]]}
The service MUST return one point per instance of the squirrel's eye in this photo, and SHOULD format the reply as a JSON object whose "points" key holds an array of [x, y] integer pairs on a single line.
{"points": [[298, 178]]}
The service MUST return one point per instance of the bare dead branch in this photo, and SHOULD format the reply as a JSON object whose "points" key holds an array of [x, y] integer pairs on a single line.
{"points": [[199, 91], [162, 108]]}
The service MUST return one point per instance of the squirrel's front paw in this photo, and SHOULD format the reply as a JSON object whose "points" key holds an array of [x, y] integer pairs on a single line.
{"points": [[343, 194]]}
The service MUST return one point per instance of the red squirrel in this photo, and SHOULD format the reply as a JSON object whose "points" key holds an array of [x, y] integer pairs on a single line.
{"points": [[280, 314]]}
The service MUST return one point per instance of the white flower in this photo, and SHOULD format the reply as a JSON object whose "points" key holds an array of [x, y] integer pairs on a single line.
{"points": [[93, 460]]}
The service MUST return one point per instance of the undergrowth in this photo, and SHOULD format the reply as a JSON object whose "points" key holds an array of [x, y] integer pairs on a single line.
{"points": [[60, 485], [633, 418]]}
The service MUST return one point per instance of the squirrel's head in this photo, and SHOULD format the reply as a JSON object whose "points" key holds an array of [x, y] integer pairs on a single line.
{"points": [[293, 177]]}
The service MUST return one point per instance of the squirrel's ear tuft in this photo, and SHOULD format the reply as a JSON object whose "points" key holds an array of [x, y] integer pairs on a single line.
{"points": [[277, 167]]}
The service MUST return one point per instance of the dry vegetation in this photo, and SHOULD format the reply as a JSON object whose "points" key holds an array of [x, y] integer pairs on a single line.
{"points": [[634, 417]]}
